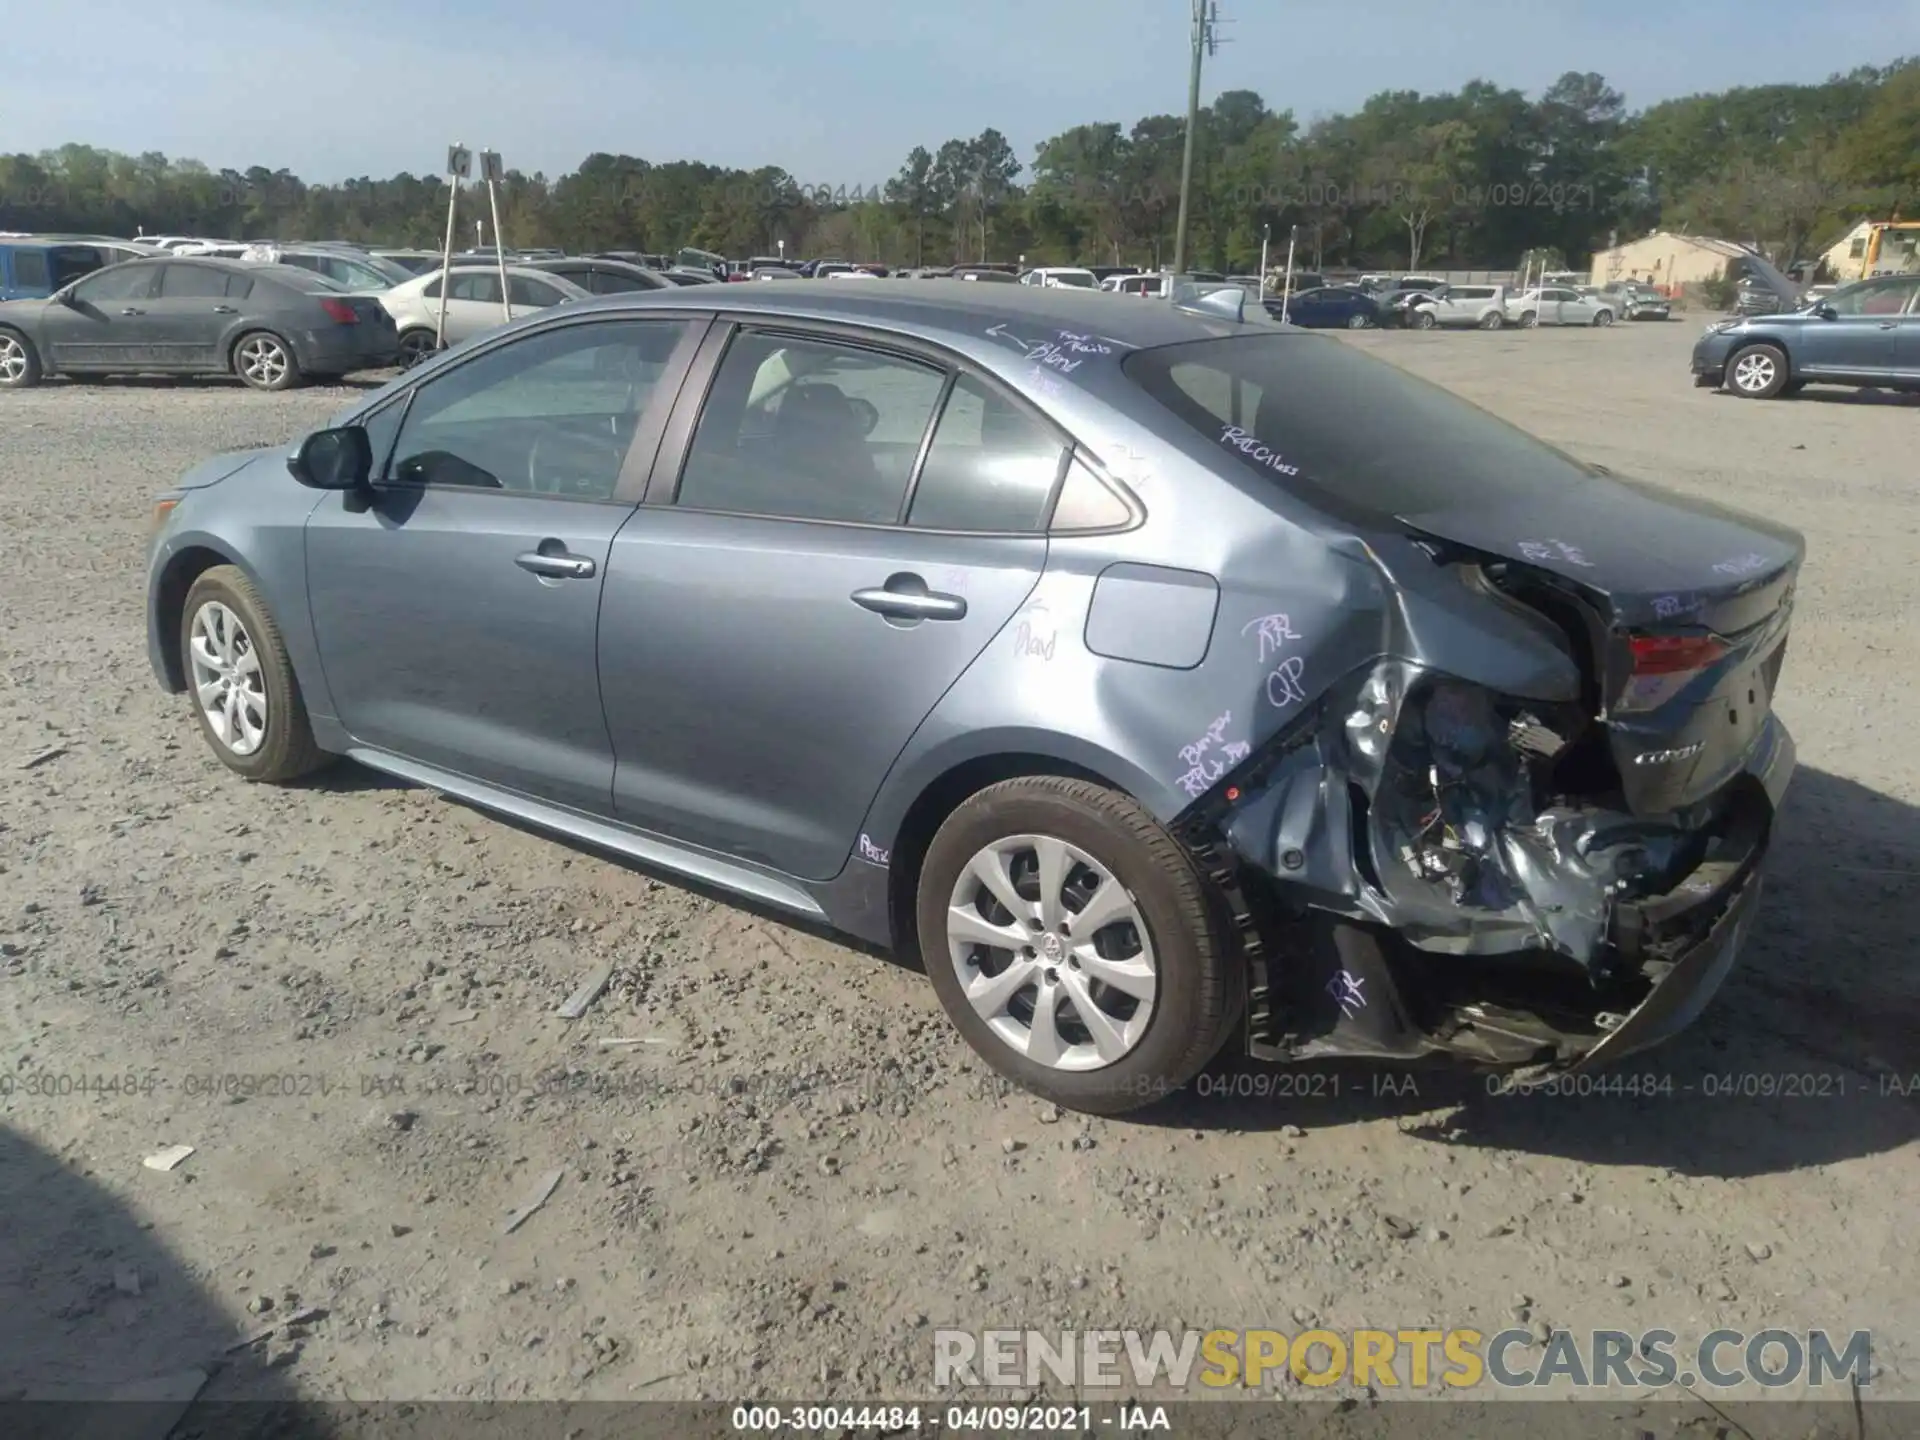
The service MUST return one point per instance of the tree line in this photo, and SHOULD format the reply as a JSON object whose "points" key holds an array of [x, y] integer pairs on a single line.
{"points": [[1470, 178]]}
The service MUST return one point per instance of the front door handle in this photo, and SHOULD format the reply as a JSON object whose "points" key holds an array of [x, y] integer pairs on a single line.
{"points": [[225, 310], [1889, 324], [131, 311], [906, 597], [556, 565]]}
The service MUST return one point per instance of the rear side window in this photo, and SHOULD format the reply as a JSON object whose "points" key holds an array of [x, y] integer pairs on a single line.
{"points": [[1355, 435], [531, 294], [239, 287], [483, 285], [192, 282], [30, 270], [992, 465]]}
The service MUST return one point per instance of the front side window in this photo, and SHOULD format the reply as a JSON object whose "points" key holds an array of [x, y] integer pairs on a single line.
{"points": [[992, 465], [550, 414], [1888, 296], [809, 429], [529, 294], [121, 282]]}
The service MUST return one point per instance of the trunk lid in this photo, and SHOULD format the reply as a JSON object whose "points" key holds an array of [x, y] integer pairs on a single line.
{"points": [[1683, 608]]}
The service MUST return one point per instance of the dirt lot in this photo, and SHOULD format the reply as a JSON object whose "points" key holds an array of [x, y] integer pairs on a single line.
{"points": [[801, 1172]]}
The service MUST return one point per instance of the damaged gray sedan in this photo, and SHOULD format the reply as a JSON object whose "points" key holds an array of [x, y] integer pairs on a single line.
{"points": [[1160, 674]]}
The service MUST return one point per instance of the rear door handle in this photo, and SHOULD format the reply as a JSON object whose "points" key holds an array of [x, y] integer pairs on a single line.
{"points": [[905, 597], [225, 310], [556, 564], [131, 311]]}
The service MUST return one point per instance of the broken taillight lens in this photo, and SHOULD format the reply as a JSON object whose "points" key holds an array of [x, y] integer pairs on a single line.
{"points": [[1674, 654]]}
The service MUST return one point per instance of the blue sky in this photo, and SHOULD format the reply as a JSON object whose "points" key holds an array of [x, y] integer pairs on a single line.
{"points": [[837, 94]]}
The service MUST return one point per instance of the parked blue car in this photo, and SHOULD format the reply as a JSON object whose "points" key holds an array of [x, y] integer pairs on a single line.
{"points": [[34, 269], [1333, 307]]}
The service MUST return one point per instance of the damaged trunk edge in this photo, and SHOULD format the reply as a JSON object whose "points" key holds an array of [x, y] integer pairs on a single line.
{"points": [[1428, 864]]}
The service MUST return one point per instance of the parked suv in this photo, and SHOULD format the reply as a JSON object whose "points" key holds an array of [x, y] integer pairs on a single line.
{"points": [[1480, 306], [1866, 334], [32, 269]]}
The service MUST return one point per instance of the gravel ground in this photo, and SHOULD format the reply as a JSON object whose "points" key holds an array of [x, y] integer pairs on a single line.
{"points": [[800, 1172]]}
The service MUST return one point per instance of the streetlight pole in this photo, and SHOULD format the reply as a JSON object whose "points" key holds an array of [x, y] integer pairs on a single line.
{"points": [[1266, 233], [1206, 14]]}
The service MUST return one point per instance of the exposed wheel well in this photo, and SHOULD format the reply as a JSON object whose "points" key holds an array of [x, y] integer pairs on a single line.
{"points": [[182, 570], [1771, 341], [939, 800]]}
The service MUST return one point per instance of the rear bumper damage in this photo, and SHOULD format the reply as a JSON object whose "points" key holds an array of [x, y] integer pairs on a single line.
{"points": [[1501, 921]]}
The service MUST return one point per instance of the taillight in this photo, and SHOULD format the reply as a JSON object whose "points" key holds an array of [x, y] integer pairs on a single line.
{"points": [[339, 311], [1674, 654]]}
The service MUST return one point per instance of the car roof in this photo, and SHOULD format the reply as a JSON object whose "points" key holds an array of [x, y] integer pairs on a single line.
{"points": [[946, 311]]}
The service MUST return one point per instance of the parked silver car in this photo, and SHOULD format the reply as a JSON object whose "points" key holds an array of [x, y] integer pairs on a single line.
{"points": [[1633, 300], [475, 303], [1557, 305], [1155, 672]]}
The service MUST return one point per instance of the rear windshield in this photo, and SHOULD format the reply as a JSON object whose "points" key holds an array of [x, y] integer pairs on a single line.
{"points": [[1352, 434]]}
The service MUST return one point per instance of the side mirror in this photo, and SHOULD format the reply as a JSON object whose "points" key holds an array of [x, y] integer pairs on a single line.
{"points": [[1826, 311], [334, 459], [65, 297]]}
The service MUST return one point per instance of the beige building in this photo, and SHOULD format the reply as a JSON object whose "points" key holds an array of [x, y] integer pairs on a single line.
{"points": [[1665, 260]]}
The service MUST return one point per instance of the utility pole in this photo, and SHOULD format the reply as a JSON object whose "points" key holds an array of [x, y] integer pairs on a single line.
{"points": [[1206, 17]]}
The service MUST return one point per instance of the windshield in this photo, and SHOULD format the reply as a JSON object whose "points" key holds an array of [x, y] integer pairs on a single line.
{"points": [[1350, 433]]}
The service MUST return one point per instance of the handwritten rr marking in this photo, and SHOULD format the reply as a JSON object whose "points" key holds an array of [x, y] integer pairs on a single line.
{"points": [[1349, 992], [1202, 769], [1274, 629]]}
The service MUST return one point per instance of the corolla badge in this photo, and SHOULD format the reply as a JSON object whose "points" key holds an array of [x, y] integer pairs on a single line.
{"points": [[1669, 757]]}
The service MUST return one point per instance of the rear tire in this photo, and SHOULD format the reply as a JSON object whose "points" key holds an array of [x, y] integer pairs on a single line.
{"points": [[1758, 372], [1529, 319], [1164, 923], [1423, 320], [415, 346], [1493, 320], [1357, 322], [265, 361], [19, 363], [228, 641], [1603, 318]]}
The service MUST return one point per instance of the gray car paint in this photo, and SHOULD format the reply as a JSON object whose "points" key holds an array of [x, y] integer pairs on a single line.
{"points": [[765, 735], [197, 335]]}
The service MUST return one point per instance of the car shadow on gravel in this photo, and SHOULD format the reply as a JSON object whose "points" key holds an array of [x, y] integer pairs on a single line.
{"points": [[1809, 1055], [370, 381], [105, 1332]]}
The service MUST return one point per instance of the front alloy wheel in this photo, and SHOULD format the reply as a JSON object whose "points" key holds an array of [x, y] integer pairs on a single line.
{"points": [[227, 681], [18, 367], [1758, 373], [1357, 322], [1052, 953], [265, 363]]}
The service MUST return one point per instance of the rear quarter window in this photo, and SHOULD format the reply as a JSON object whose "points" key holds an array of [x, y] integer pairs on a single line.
{"points": [[1351, 434]]}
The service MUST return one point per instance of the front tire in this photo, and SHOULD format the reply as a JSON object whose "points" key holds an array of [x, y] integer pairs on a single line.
{"points": [[19, 363], [1529, 319], [1423, 320], [1074, 945], [1758, 372], [245, 695], [265, 361], [1603, 318], [415, 346]]}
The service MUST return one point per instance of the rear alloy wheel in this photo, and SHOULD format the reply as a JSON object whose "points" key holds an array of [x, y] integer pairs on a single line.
{"points": [[1493, 320], [1423, 320], [1529, 319], [1073, 944], [1357, 322], [241, 679], [1758, 372], [19, 366], [415, 346], [265, 362], [1603, 317]]}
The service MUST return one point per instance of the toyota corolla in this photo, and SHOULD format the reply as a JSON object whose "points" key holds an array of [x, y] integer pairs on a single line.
{"points": [[1162, 676]]}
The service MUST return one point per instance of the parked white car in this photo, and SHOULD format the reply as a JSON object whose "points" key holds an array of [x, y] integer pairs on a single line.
{"points": [[1070, 276], [474, 304], [1151, 287], [1557, 305], [1483, 307]]}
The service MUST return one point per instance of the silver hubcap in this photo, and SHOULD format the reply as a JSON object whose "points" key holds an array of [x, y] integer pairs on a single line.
{"points": [[227, 682], [13, 358], [1357, 322], [1052, 952], [263, 361], [1753, 372]]}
